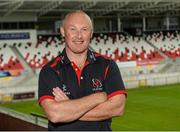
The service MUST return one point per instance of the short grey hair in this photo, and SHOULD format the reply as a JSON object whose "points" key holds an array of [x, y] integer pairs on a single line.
{"points": [[73, 12]]}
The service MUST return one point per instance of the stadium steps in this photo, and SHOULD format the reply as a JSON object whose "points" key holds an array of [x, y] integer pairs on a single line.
{"points": [[174, 68], [21, 59], [26, 75], [25, 79], [169, 61], [32, 80], [165, 68], [156, 48]]}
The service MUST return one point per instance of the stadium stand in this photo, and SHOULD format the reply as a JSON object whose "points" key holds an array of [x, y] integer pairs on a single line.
{"points": [[117, 46], [36, 55], [167, 42], [8, 60], [122, 48]]}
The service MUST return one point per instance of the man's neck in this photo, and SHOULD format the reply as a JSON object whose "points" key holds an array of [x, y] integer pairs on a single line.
{"points": [[78, 59]]}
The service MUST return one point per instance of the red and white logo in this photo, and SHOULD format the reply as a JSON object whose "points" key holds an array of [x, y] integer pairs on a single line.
{"points": [[96, 84]]}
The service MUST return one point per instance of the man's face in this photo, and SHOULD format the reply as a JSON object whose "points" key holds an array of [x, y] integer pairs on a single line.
{"points": [[77, 30]]}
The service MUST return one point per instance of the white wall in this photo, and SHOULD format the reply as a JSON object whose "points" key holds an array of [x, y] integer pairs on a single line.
{"points": [[151, 80]]}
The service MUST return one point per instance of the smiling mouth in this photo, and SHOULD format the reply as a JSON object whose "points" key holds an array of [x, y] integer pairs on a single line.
{"points": [[78, 42]]}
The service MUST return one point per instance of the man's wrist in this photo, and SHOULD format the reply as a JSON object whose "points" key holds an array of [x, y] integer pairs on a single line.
{"points": [[101, 97]]}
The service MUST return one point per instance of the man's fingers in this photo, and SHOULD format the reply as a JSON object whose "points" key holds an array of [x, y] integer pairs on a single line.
{"points": [[59, 94], [57, 89], [57, 100], [57, 97]]}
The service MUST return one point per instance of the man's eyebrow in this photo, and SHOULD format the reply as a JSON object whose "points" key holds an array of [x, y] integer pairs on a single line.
{"points": [[86, 27], [82, 27], [72, 25]]}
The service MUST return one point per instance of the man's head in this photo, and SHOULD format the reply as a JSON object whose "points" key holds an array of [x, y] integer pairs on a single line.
{"points": [[77, 30]]}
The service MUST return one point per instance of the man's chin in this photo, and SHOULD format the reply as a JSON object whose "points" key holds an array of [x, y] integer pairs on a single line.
{"points": [[80, 51]]}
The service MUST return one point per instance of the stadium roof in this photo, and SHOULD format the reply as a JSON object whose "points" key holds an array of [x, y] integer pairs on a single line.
{"points": [[97, 8]]}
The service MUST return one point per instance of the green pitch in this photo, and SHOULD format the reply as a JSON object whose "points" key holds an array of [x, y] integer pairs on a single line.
{"points": [[147, 109]]}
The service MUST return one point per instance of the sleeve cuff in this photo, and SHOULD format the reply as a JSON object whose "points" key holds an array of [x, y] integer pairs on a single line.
{"points": [[117, 92], [45, 97]]}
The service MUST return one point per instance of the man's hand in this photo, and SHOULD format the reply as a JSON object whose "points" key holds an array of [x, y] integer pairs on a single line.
{"points": [[59, 95], [114, 106], [63, 109]]}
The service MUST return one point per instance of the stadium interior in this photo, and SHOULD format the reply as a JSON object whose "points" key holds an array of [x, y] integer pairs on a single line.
{"points": [[142, 36]]}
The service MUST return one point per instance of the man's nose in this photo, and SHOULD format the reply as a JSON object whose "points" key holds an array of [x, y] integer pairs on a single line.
{"points": [[79, 34]]}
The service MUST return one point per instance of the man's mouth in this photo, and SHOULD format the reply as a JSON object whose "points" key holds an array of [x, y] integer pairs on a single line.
{"points": [[78, 42]]}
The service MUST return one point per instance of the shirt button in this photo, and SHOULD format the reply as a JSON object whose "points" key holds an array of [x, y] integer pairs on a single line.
{"points": [[72, 64], [76, 69], [81, 77]]}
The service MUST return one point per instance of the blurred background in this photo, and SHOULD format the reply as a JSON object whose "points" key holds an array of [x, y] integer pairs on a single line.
{"points": [[142, 36]]}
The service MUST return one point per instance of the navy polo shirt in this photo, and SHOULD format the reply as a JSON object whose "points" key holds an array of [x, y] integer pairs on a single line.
{"points": [[98, 74]]}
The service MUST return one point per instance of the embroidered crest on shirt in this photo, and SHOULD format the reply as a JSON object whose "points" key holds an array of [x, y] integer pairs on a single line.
{"points": [[97, 85]]}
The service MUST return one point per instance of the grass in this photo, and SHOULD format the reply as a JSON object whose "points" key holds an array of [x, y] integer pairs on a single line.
{"points": [[151, 108], [25, 107], [147, 109]]}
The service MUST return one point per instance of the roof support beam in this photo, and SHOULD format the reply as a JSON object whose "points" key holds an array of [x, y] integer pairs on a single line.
{"points": [[14, 5], [142, 7], [168, 7], [111, 8], [50, 6], [86, 5]]}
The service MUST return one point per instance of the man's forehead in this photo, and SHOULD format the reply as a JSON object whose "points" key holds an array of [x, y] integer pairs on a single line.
{"points": [[77, 16], [76, 13], [73, 18]]}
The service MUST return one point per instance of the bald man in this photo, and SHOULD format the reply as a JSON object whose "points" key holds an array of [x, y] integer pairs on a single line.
{"points": [[80, 90]]}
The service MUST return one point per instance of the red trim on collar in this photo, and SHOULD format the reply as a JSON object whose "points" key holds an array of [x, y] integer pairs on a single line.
{"points": [[55, 61], [78, 71]]}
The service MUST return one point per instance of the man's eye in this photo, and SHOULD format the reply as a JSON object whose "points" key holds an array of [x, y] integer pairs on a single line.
{"points": [[85, 29], [72, 29]]}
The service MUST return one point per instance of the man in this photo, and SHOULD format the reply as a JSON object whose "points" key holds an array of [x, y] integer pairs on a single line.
{"points": [[80, 89]]}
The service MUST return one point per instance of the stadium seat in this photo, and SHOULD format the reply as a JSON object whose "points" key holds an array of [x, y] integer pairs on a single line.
{"points": [[167, 42], [121, 47]]}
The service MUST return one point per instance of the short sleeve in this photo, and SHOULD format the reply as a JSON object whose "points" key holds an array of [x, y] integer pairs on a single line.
{"points": [[113, 81], [47, 81]]}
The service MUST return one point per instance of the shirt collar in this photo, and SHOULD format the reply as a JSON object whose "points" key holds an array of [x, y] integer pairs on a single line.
{"points": [[65, 58], [90, 57]]}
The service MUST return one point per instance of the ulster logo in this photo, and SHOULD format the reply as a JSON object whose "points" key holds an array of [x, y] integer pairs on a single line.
{"points": [[97, 85]]}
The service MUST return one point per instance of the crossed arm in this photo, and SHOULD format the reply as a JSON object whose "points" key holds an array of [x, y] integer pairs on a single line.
{"points": [[94, 107]]}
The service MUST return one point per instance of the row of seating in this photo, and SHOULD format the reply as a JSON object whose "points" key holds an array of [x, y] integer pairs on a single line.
{"points": [[125, 48], [167, 42], [8, 60], [117, 46]]}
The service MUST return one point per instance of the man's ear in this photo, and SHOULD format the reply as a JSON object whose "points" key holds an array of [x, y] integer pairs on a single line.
{"points": [[92, 33], [62, 31]]}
